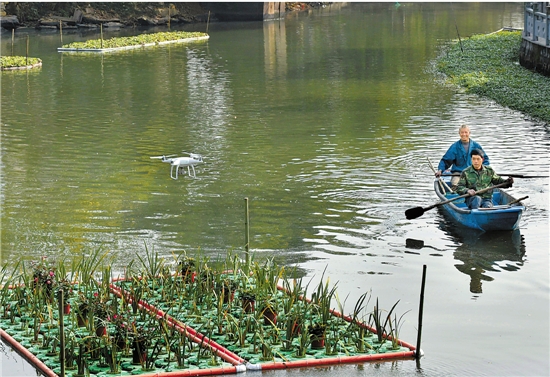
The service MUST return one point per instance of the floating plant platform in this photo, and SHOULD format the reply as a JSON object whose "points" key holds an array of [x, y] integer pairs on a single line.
{"points": [[129, 43], [186, 319], [14, 63]]}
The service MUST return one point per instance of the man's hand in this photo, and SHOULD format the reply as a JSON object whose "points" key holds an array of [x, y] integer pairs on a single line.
{"points": [[471, 192], [438, 174], [510, 181]]}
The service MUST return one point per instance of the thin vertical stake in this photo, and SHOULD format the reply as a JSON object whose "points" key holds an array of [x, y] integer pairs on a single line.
{"points": [[207, 21], [12, 39], [61, 333], [61, 31], [101, 32], [420, 312], [27, 52], [246, 234]]}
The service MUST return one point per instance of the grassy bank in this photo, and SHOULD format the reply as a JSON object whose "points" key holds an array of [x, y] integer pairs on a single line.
{"points": [[488, 65]]}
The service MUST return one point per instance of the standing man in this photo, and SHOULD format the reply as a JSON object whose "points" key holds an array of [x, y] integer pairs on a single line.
{"points": [[478, 177], [457, 156]]}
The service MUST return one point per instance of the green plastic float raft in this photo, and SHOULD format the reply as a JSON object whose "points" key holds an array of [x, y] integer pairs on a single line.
{"points": [[192, 321]]}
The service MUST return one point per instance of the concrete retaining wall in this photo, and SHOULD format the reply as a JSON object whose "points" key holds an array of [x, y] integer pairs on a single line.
{"points": [[535, 57]]}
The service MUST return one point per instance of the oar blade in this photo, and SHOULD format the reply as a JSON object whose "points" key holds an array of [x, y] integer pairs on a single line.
{"points": [[414, 244], [413, 213]]}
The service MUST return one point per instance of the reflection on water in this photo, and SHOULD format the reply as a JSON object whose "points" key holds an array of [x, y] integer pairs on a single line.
{"points": [[483, 253]]}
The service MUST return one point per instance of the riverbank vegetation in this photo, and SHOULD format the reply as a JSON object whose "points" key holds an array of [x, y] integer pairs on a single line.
{"points": [[488, 65], [8, 62], [137, 40]]}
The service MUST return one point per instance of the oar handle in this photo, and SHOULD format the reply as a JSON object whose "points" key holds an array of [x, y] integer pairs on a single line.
{"points": [[505, 175], [466, 195], [441, 181]]}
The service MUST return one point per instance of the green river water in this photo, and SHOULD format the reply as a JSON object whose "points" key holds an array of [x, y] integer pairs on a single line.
{"points": [[324, 121]]}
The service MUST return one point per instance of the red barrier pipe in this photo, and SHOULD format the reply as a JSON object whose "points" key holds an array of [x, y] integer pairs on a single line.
{"points": [[336, 360], [197, 337], [32, 359], [194, 372]]}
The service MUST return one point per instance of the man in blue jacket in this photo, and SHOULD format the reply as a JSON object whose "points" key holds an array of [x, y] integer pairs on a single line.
{"points": [[457, 157]]}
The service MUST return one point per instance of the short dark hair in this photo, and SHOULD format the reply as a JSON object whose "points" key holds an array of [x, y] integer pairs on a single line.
{"points": [[477, 152]]}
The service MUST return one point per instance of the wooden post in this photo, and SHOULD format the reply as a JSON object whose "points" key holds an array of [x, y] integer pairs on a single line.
{"points": [[27, 52], [207, 21], [61, 31], [418, 353], [61, 333], [246, 234], [101, 33], [12, 39]]}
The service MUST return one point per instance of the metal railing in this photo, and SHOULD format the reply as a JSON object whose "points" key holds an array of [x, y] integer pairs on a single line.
{"points": [[536, 27]]}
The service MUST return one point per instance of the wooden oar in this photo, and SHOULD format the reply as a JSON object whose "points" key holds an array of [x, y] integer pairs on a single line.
{"points": [[508, 175], [442, 183], [413, 213], [517, 200]]}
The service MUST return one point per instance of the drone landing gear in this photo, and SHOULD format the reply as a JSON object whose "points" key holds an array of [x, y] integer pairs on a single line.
{"points": [[179, 170]]}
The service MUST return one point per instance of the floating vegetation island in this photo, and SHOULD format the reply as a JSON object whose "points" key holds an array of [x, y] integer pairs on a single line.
{"points": [[488, 65], [138, 41], [191, 315], [19, 62]]}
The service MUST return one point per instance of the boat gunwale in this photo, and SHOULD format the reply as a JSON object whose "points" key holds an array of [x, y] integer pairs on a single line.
{"points": [[513, 210]]}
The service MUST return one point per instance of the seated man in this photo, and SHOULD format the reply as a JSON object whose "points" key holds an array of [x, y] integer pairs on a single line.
{"points": [[457, 157], [478, 177]]}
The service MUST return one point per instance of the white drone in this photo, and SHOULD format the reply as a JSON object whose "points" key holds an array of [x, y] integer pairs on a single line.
{"points": [[181, 162]]}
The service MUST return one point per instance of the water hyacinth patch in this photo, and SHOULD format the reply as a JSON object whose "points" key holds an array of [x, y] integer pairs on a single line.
{"points": [[488, 65], [18, 61]]}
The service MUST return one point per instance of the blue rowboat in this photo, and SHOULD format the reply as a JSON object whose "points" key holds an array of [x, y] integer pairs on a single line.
{"points": [[504, 215]]}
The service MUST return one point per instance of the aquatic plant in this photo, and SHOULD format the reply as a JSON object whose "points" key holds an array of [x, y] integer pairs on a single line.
{"points": [[321, 299], [148, 334], [134, 40], [378, 317], [488, 65], [17, 61], [395, 328]]}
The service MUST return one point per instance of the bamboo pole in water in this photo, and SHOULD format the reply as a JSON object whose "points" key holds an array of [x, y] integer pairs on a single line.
{"points": [[27, 52], [61, 308], [246, 234], [420, 314]]}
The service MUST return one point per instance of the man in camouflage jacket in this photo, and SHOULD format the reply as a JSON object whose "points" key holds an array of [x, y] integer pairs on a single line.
{"points": [[478, 177]]}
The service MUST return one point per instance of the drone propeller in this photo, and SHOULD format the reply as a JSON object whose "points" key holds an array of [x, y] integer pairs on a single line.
{"points": [[162, 157], [195, 156]]}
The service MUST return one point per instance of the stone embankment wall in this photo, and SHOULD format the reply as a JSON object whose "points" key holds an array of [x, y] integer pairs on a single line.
{"points": [[535, 57], [535, 44]]}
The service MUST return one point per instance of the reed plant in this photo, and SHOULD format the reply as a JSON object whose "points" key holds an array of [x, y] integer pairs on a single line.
{"points": [[395, 329], [381, 320], [321, 299], [304, 341]]}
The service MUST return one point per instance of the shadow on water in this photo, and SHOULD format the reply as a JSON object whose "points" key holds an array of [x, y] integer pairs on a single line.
{"points": [[483, 253]]}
